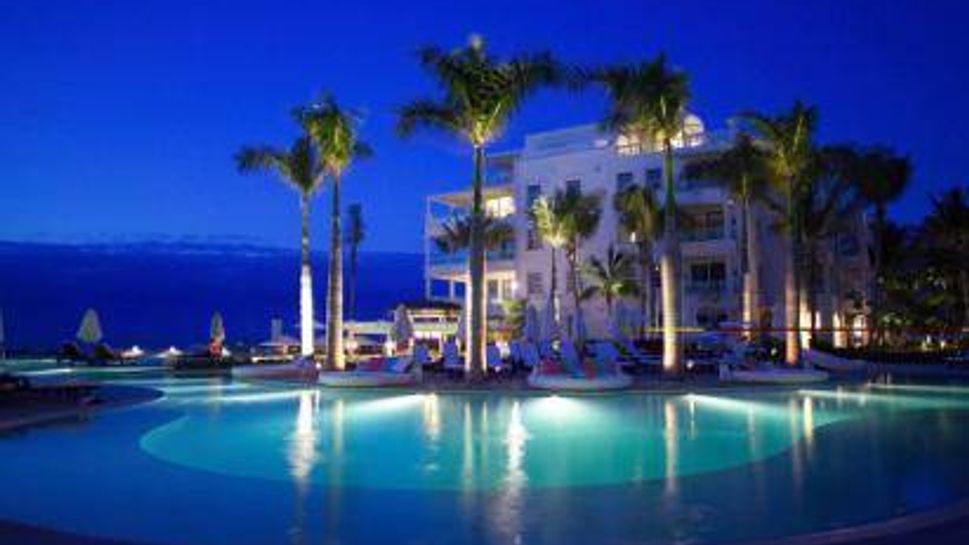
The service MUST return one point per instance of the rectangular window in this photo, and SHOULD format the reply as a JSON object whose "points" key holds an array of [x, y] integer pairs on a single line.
{"points": [[533, 284], [493, 294], [506, 289], [623, 180], [654, 176], [573, 185]]}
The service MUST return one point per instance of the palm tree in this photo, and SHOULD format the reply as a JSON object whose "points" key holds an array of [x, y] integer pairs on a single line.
{"points": [[829, 203], [300, 168], [455, 233], [481, 94], [881, 177], [610, 277], [334, 132], [566, 222], [640, 217], [740, 168], [946, 229], [354, 235], [551, 224], [648, 103], [788, 142]]}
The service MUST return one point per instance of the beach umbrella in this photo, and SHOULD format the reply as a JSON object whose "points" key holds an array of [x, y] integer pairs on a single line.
{"points": [[90, 329], [461, 335], [550, 321], [275, 330], [402, 330], [530, 329], [217, 328]]}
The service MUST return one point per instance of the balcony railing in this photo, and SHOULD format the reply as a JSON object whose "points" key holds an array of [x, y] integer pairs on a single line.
{"points": [[702, 234], [709, 287], [461, 257]]}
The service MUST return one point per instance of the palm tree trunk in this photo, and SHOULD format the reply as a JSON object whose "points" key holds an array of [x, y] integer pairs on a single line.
{"points": [[669, 269], [792, 293], [553, 284], [352, 288], [752, 278], [646, 279], [476, 349], [577, 318], [875, 334], [334, 316], [305, 280]]}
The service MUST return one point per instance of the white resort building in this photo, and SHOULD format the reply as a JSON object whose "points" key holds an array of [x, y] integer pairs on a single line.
{"points": [[585, 158]]}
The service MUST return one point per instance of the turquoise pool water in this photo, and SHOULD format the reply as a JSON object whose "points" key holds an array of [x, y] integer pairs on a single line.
{"points": [[234, 462]]}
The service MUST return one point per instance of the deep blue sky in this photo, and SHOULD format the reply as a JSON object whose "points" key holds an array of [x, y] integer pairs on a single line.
{"points": [[118, 119]]}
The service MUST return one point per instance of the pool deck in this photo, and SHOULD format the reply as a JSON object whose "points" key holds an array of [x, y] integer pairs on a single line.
{"points": [[46, 411]]}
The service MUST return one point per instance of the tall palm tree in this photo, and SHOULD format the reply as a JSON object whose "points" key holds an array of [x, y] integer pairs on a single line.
{"points": [[788, 141], [829, 202], [610, 277], [334, 132], [481, 93], [300, 168], [551, 223], [741, 170], [648, 102], [567, 221], [640, 217], [354, 234], [946, 229], [455, 234], [881, 177]]}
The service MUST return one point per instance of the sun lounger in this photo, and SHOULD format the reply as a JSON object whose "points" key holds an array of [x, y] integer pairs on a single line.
{"points": [[636, 356], [493, 357], [571, 372], [453, 361], [395, 371], [529, 354], [515, 353]]}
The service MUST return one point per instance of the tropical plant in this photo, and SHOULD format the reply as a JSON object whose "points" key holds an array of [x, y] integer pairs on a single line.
{"points": [[946, 236], [565, 222], [790, 154], [640, 218], [480, 95], [355, 232], [648, 102], [300, 168], [741, 169], [455, 234], [610, 277], [881, 177], [334, 131]]}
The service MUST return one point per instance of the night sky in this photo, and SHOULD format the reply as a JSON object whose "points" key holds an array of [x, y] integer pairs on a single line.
{"points": [[119, 119]]}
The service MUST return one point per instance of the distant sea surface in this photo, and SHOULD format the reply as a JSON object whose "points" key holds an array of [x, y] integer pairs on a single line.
{"points": [[156, 295]]}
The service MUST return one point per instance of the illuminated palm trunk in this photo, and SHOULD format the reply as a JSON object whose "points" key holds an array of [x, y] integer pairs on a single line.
{"points": [[335, 358], [669, 271], [646, 279], [475, 357], [792, 295], [752, 269], [305, 281]]}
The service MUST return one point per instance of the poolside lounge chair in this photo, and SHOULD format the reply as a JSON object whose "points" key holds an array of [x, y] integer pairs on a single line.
{"points": [[529, 355], [394, 371], [515, 353], [631, 353], [422, 356], [493, 358], [452, 358], [570, 372]]}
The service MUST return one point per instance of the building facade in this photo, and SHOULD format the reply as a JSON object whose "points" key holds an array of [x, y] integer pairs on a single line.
{"points": [[711, 282]]}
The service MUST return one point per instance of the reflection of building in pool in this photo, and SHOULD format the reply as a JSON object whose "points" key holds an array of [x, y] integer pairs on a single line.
{"points": [[712, 242]]}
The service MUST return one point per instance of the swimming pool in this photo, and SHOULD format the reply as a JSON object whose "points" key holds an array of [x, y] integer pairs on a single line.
{"points": [[220, 461]]}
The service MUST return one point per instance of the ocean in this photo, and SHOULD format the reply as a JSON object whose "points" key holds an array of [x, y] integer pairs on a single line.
{"points": [[157, 295]]}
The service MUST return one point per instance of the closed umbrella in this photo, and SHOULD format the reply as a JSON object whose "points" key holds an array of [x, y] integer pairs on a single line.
{"points": [[217, 329], [402, 330], [550, 321], [530, 330], [461, 335], [90, 329]]}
